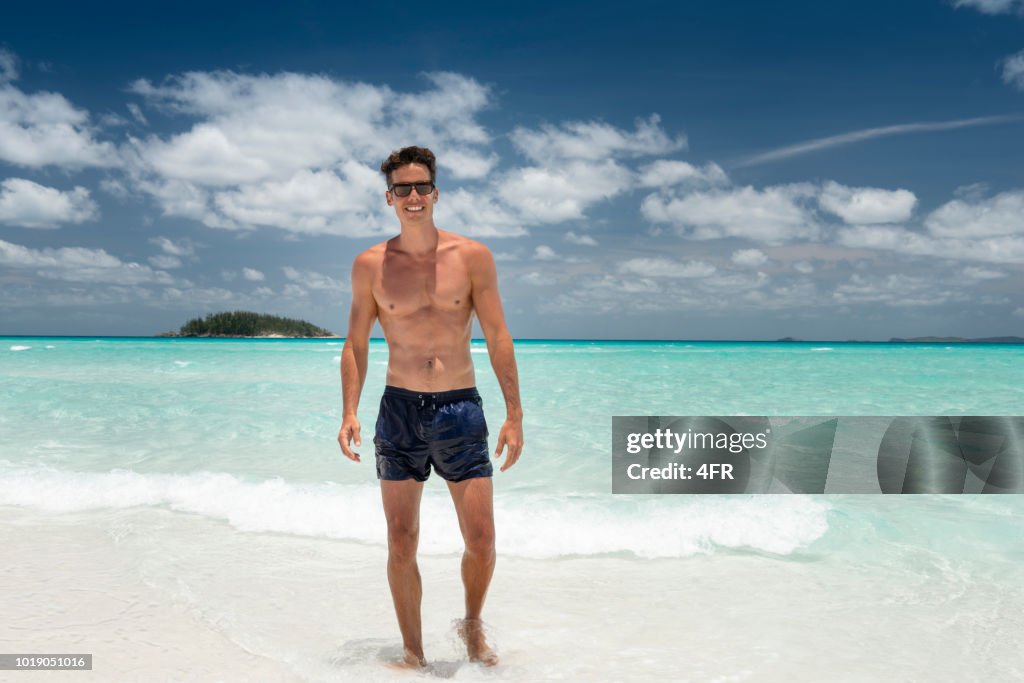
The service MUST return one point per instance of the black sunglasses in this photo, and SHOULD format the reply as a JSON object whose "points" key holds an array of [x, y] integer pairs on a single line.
{"points": [[405, 189]]}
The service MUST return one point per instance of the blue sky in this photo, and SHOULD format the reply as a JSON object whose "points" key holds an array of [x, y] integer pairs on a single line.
{"points": [[707, 171]]}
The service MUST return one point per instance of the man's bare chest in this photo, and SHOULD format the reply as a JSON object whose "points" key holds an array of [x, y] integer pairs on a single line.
{"points": [[406, 288]]}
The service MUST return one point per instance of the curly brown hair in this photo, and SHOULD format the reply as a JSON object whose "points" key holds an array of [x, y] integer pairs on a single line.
{"points": [[409, 155]]}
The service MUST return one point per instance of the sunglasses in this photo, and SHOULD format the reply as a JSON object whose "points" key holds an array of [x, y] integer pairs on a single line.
{"points": [[405, 189]]}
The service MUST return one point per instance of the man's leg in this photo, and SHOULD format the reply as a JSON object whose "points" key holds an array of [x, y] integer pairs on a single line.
{"points": [[474, 505], [402, 510]]}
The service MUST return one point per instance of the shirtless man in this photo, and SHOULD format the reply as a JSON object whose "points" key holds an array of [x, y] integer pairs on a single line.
{"points": [[424, 286]]}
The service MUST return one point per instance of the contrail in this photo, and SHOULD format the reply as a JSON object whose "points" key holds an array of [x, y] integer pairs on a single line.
{"points": [[869, 133]]}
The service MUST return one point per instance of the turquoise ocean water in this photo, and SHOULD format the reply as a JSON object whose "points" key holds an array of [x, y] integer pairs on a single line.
{"points": [[241, 435]]}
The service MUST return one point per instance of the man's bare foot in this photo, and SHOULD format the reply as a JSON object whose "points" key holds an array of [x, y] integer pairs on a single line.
{"points": [[474, 635], [409, 661]]}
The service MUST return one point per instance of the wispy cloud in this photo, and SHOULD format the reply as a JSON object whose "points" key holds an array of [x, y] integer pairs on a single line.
{"points": [[1013, 70], [992, 6], [8, 66], [595, 140], [871, 133]]}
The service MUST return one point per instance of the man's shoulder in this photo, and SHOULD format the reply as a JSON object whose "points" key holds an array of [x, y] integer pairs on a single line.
{"points": [[368, 263], [371, 256], [475, 257], [465, 246]]}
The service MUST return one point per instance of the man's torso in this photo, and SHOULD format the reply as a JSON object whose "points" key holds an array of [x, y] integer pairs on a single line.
{"points": [[425, 308]]}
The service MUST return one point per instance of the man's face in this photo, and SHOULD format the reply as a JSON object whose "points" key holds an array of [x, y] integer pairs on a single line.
{"points": [[414, 206]]}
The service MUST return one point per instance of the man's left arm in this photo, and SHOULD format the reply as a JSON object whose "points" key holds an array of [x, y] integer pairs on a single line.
{"points": [[487, 303]]}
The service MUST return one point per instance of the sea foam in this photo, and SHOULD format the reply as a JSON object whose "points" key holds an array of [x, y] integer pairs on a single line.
{"points": [[528, 525]]}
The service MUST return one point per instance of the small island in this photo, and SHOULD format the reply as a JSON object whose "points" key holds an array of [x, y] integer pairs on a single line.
{"points": [[247, 324]]}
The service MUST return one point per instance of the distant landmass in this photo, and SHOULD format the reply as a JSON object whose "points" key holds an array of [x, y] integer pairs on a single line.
{"points": [[961, 340], [936, 340], [247, 324]]}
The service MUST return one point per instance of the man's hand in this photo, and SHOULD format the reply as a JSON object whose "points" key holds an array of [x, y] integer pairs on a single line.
{"points": [[512, 436], [349, 432]]}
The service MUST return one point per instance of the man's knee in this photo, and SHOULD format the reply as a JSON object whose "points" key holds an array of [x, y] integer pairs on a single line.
{"points": [[480, 540], [402, 540]]}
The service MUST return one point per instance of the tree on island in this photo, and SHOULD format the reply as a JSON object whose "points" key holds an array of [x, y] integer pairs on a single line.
{"points": [[249, 324]]}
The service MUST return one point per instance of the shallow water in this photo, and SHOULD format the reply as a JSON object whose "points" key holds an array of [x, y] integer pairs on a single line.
{"points": [[209, 472]]}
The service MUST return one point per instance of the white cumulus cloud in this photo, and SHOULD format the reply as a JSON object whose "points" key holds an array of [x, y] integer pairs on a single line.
{"points": [[79, 264], [30, 205], [770, 215], [582, 240], [595, 140], [866, 205], [44, 129], [803, 267], [311, 279], [544, 253], [164, 262], [667, 172], [992, 249], [300, 152], [896, 290], [977, 273], [168, 246], [665, 267], [563, 192], [749, 257], [477, 214], [538, 279], [312, 202], [1002, 214]]}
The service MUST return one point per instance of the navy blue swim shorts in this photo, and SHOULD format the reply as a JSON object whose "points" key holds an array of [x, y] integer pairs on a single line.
{"points": [[445, 429]]}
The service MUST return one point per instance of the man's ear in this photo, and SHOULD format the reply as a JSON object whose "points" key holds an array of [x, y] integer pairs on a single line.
{"points": [[436, 195], [387, 196]]}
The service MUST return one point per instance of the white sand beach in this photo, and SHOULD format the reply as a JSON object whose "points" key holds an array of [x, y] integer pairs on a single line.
{"points": [[161, 595]]}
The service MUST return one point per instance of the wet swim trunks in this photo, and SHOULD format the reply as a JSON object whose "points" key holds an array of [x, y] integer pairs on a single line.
{"points": [[445, 429]]}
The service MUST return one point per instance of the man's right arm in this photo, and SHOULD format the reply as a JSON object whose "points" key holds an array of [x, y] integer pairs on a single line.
{"points": [[354, 354]]}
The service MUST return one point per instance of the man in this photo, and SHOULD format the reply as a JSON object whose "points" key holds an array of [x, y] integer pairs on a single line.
{"points": [[424, 286]]}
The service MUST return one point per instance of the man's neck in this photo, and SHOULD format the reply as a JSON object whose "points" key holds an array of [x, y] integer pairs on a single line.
{"points": [[419, 239]]}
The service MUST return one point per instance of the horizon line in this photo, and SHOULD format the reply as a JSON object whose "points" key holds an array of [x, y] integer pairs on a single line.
{"points": [[785, 340]]}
